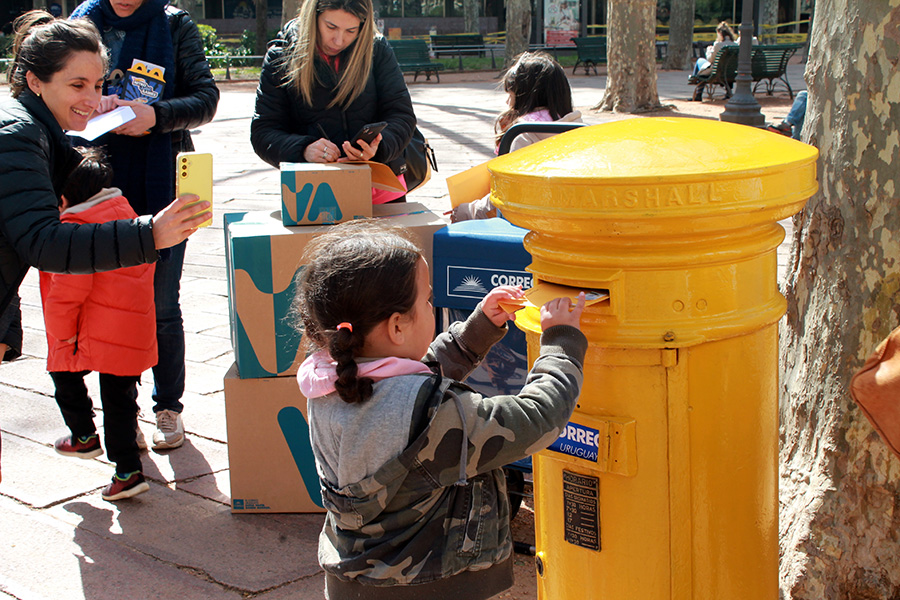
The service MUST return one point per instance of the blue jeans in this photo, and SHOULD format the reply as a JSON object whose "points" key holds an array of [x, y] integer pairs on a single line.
{"points": [[168, 374], [797, 114]]}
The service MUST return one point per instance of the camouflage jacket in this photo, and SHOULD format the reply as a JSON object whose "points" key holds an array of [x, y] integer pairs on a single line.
{"points": [[438, 507]]}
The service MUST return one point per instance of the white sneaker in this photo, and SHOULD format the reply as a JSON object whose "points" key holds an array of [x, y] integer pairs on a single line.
{"points": [[169, 430]]}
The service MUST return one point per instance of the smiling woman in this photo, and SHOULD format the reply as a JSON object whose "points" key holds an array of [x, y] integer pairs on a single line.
{"points": [[325, 77], [55, 83]]}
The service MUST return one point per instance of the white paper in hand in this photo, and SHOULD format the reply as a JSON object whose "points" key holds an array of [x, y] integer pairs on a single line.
{"points": [[105, 122]]}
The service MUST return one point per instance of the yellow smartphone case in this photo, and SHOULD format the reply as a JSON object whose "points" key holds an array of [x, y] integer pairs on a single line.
{"points": [[194, 176]]}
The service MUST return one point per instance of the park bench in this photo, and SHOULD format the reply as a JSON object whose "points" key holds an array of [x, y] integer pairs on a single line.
{"points": [[769, 65], [414, 58], [469, 44], [721, 73], [591, 51]]}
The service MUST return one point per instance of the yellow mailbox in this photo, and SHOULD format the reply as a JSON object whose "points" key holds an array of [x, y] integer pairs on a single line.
{"points": [[664, 485]]}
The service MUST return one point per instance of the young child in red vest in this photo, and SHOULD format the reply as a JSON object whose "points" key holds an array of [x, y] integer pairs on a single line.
{"points": [[103, 322]]}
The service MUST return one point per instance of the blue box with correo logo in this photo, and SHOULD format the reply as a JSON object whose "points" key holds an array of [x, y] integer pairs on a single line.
{"points": [[470, 259]]}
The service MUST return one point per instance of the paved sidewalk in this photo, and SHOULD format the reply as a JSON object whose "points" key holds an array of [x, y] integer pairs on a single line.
{"points": [[59, 539]]}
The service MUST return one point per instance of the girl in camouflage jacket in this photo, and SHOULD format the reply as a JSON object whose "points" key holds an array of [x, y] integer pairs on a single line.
{"points": [[410, 459]]}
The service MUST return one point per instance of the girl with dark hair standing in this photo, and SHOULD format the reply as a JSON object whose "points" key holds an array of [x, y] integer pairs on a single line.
{"points": [[56, 79], [538, 91], [409, 459], [142, 154], [326, 76]]}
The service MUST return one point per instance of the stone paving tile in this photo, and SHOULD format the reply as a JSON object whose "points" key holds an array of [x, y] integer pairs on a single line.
{"points": [[248, 552], [215, 486], [87, 565], [37, 476], [196, 458]]}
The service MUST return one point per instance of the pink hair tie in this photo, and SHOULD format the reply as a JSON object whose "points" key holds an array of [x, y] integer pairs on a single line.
{"points": [[344, 326]]}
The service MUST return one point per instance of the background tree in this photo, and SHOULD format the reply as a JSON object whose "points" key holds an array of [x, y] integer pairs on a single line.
{"points": [[681, 35], [471, 8], [289, 10], [768, 18], [840, 486], [262, 31], [631, 57], [518, 28]]}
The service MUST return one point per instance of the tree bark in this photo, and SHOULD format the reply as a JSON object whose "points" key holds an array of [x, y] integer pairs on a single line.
{"points": [[471, 9], [518, 28], [289, 10], [840, 485], [768, 17], [262, 29], [631, 57], [681, 35]]}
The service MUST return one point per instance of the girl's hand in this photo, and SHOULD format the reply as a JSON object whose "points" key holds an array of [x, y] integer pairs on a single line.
{"points": [[322, 151], [143, 121], [490, 305], [560, 312], [352, 153]]}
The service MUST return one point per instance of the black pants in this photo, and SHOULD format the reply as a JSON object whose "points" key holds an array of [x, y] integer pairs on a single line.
{"points": [[118, 396]]}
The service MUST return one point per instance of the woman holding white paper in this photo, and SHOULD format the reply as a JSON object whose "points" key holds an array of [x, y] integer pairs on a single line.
{"points": [[164, 39], [55, 81], [326, 75]]}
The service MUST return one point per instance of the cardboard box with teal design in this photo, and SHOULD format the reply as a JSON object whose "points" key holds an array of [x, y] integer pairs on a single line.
{"points": [[322, 194], [262, 258], [271, 464]]}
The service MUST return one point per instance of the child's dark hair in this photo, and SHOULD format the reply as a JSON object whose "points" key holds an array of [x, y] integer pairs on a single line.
{"points": [[361, 273], [44, 44], [91, 175], [536, 81]]}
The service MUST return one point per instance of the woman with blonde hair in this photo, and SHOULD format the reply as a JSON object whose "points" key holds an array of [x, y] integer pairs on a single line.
{"points": [[326, 76], [724, 37]]}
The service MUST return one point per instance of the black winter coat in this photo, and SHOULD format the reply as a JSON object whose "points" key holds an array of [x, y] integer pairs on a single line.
{"points": [[196, 95], [35, 160], [194, 102], [284, 125]]}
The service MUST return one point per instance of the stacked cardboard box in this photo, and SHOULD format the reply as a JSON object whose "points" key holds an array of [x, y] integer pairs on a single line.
{"points": [[271, 463]]}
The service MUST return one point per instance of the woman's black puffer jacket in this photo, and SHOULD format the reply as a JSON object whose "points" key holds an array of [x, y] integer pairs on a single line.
{"points": [[35, 160], [196, 95], [284, 125]]}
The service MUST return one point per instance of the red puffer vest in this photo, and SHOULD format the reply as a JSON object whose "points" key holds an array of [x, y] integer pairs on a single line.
{"points": [[111, 314]]}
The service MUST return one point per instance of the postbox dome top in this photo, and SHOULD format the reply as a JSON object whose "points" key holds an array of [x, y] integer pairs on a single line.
{"points": [[643, 150], [640, 175]]}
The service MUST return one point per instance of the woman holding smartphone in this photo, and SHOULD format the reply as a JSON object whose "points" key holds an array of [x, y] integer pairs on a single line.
{"points": [[326, 77]]}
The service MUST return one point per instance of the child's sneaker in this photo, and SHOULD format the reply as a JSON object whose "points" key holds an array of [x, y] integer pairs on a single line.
{"points": [[125, 486], [79, 447]]}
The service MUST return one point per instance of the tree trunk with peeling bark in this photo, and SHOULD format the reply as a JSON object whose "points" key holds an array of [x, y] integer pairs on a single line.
{"points": [[631, 57], [681, 35], [768, 19], [262, 31], [518, 28], [840, 485], [470, 15]]}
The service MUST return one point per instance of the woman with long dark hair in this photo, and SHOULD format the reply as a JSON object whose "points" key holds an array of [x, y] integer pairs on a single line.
{"points": [[326, 76], [56, 80]]}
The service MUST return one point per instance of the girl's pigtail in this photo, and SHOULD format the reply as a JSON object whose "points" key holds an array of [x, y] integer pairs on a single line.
{"points": [[351, 388]]}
